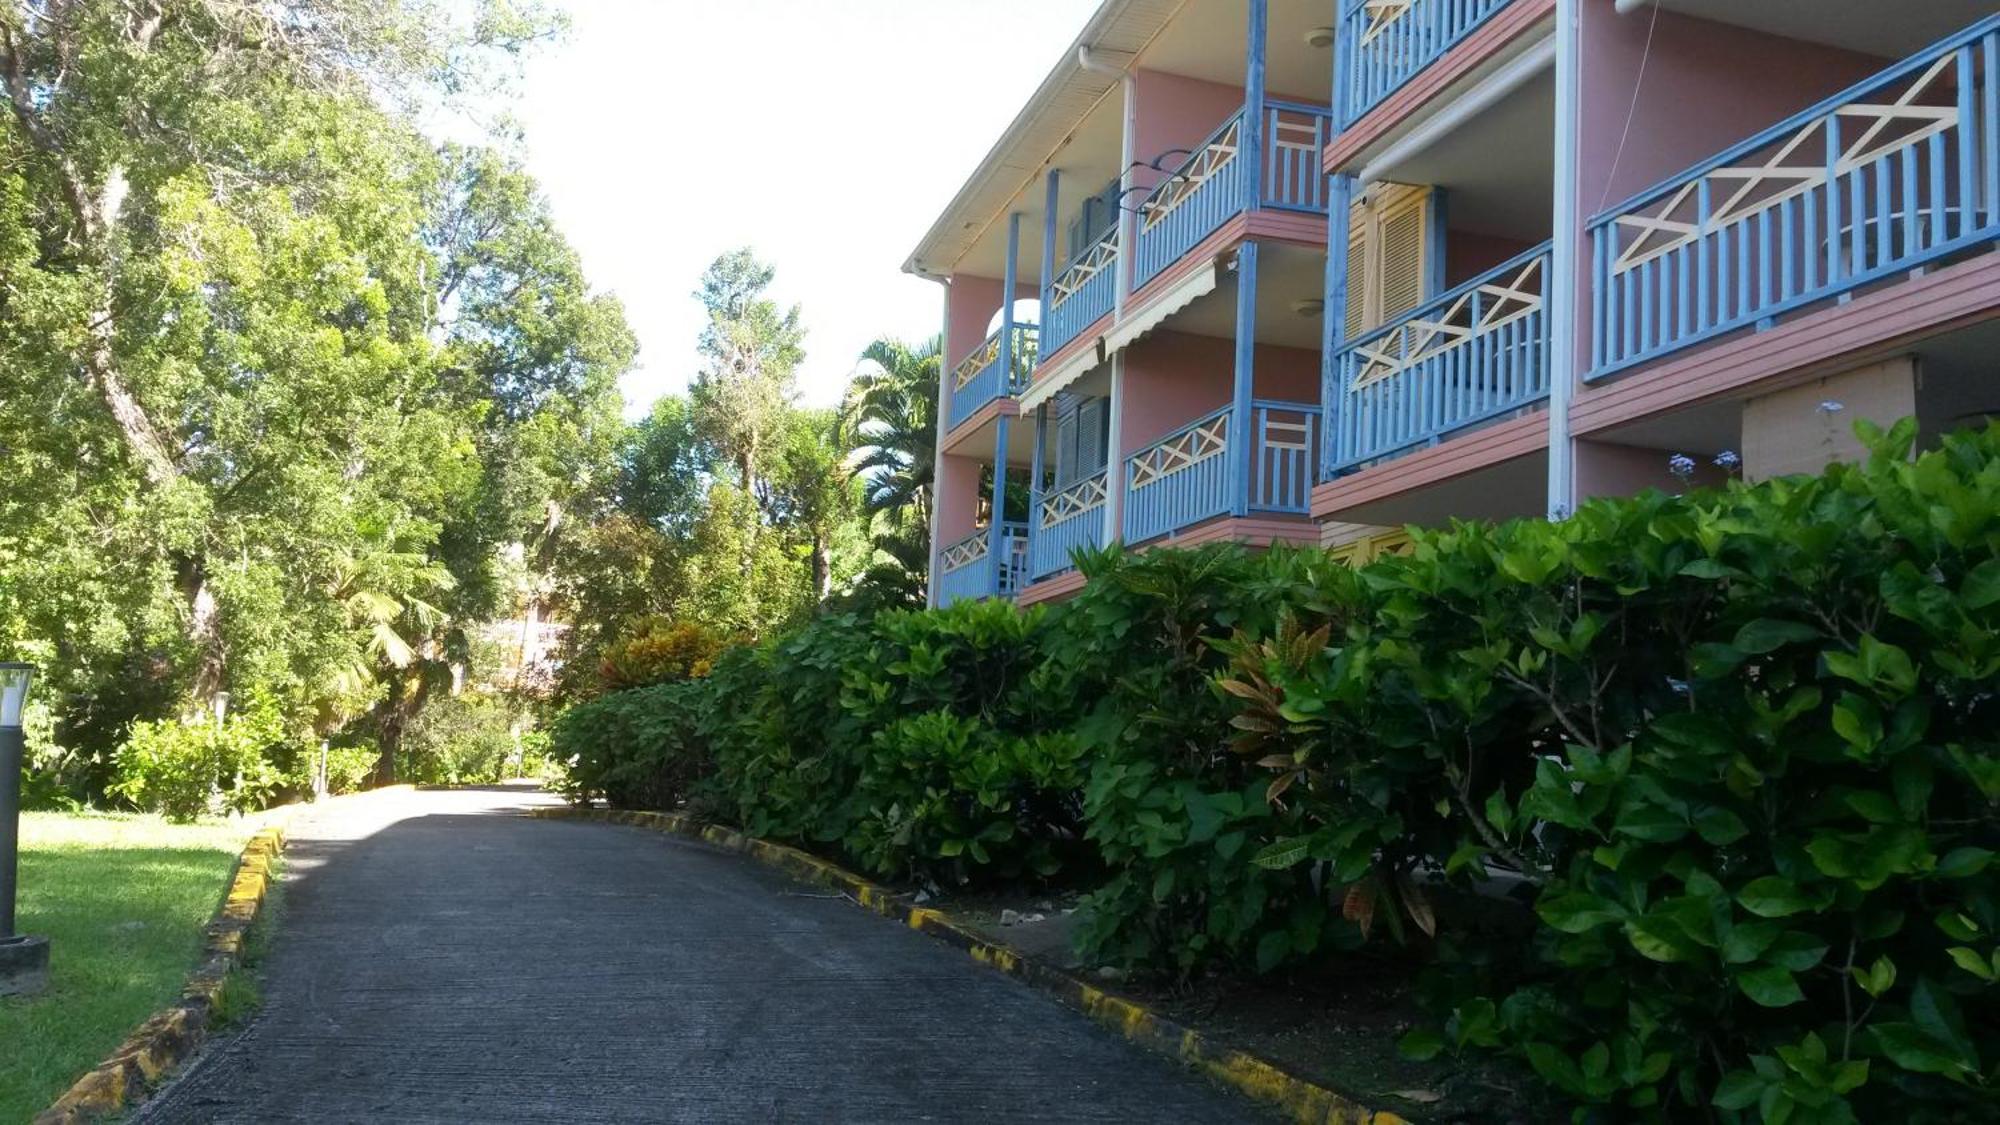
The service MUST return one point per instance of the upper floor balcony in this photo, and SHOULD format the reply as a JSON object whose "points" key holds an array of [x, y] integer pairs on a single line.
{"points": [[1891, 177], [1470, 355], [998, 368], [1385, 43], [1212, 186], [970, 568], [1082, 293], [1189, 477]]}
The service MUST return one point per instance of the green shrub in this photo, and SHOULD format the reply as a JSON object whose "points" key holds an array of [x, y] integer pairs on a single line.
{"points": [[471, 738], [1173, 814], [661, 652], [1741, 747], [1734, 752], [187, 768], [636, 749]]}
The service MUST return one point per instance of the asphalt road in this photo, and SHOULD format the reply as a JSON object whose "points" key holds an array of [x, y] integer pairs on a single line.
{"points": [[441, 958]]}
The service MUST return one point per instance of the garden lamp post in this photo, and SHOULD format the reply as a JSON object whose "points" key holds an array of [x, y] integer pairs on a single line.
{"points": [[24, 961]]}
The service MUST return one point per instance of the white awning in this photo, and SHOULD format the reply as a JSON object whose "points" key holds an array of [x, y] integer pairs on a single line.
{"points": [[1072, 369], [1187, 291]]}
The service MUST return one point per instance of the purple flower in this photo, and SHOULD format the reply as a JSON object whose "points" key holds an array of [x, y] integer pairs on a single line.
{"points": [[1681, 465], [1832, 406], [1727, 459]]}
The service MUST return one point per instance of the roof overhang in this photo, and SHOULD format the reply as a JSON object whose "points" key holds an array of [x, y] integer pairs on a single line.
{"points": [[1118, 32]]}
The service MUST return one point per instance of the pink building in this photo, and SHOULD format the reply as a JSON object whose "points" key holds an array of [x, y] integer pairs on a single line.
{"points": [[1573, 239]]}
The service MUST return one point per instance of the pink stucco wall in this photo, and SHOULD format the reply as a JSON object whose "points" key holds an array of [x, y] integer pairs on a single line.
{"points": [[970, 303], [1172, 378], [1467, 255], [1707, 86], [1173, 112], [957, 498], [1607, 469]]}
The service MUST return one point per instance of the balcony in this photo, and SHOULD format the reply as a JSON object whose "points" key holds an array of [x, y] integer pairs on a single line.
{"points": [[991, 372], [1385, 43], [1885, 179], [1208, 189], [1185, 478], [967, 568], [1068, 518], [1082, 293], [1473, 354]]}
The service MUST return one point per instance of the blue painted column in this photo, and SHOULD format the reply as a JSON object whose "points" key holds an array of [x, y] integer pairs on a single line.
{"points": [[1343, 60], [1333, 329], [1052, 205], [1252, 142], [1038, 465], [996, 541], [1436, 218], [1246, 358], [1012, 279]]}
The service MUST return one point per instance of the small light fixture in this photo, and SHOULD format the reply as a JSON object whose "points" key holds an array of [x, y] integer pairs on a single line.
{"points": [[1319, 38], [14, 681], [1309, 306]]}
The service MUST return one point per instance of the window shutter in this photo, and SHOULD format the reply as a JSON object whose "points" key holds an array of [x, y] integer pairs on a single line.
{"points": [[1402, 223], [1387, 249], [1090, 426], [1359, 291], [1066, 450]]}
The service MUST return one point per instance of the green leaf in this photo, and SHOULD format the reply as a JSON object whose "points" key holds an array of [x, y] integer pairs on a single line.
{"points": [[1771, 987], [1577, 912], [1659, 938], [1420, 1045], [1773, 897], [1738, 1090], [1981, 587], [1972, 962], [1650, 823], [1719, 826], [1913, 1048], [1768, 634], [1963, 863], [1283, 854]]}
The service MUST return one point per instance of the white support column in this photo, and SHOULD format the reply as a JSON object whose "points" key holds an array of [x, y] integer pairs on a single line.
{"points": [[937, 462], [1114, 458], [1128, 218], [1565, 294]]}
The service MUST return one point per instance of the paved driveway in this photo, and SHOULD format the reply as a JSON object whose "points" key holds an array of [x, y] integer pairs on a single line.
{"points": [[441, 958]]}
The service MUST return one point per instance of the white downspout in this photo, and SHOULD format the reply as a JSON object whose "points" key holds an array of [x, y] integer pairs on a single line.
{"points": [[1564, 258], [1114, 457]]}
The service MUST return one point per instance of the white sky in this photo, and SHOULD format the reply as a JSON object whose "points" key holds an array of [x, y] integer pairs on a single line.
{"points": [[825, 134]]}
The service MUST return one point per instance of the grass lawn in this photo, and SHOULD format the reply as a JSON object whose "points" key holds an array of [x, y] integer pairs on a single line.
{"points": [[123, 901]]}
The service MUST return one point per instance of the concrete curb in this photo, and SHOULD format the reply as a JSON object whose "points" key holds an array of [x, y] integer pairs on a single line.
{"points": [[171, 1036], [1305, 1102]]}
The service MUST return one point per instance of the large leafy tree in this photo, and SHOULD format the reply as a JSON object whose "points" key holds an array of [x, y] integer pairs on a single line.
{"points": [[283, 376]]}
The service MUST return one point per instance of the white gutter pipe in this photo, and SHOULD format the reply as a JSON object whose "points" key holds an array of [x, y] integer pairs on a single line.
{"points": [[1485, 95]]}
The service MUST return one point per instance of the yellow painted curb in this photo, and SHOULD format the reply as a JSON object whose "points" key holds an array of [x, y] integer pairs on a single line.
{"points": [[167, 1039], [1302, 1101]]}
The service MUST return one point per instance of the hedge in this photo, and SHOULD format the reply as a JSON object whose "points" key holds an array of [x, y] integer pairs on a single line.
{"points": [[1733, 752]]}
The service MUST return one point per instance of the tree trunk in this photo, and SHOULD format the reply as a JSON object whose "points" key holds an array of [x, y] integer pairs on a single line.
{"points": [[204, 633], [402, 705], [822, 565]]}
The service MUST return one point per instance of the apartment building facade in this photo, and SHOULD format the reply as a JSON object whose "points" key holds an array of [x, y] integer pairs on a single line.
{"points": [[1319, 270]]}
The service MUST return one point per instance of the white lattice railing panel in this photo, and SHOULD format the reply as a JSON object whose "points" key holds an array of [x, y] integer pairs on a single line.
{"points": [[1816, 154], [1380, 16], [1094, 261], [1478, 311], [1181, 452], [1081, 498], [966, 551], [1213, 160], [970, 367]]}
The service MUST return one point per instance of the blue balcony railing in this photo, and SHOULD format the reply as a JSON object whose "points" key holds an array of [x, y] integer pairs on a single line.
{"points": [[1385, 43], [1475, 353], [968, 568], [1889, 176], [1209, 188], [1081, 294], [1068, 518], [986, 375], [1184, 478]]}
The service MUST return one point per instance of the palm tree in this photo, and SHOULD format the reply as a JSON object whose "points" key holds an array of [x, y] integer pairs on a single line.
{"points": [[891, 431], [892, 423]]}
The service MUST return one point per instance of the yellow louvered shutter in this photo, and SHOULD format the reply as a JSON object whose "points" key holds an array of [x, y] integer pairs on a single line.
{"points": [[1402, 227], [1388, 241], [1358, 287]]}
